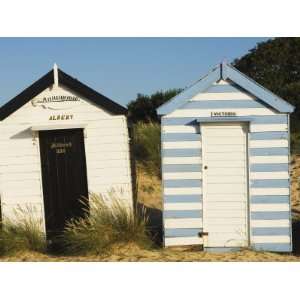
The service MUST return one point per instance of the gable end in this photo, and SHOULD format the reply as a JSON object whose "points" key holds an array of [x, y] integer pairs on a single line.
{"points": [[67, 81]]}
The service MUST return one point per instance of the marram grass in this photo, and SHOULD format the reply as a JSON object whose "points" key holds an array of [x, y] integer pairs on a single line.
{"points": [[107, 222], [23, 232]]}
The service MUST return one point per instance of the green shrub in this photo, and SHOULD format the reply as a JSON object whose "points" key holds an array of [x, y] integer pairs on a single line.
{"points": [[23, 232], [106, 222], [146, 146]]}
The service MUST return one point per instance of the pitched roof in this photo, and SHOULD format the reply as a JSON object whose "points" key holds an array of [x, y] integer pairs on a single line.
{"points": [[225, 71], [69, 82]]}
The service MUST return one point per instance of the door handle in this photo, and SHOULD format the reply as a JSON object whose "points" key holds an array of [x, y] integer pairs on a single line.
{"points": [[205, 167]]}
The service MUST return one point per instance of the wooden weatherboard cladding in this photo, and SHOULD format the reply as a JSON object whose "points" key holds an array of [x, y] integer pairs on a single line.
{"points": [[225, 165], [60, 141], [69, 82]]}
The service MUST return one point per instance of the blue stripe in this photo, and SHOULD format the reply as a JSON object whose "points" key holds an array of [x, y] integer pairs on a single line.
{"points": [[270, 183], [178, 183], [270, 199], [274, 119], [269, 167], [271, 231], [179, 232], [181, 152], [176, 137], [182, 198], [178, 121], [284, 247], [182, 214], [181, 168], [269, 151], [223, 88], [203, 104], [270, 135], [270, 215]]}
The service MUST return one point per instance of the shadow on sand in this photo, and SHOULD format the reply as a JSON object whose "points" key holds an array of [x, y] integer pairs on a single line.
{"points": [[154, 223], [296, 237]]}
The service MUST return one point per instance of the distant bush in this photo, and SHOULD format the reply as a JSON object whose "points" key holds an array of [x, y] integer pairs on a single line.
{"points": [[146, 146], [22, 232], [106, 222]]}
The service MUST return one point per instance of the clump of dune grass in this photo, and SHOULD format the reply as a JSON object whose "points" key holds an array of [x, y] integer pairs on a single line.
{"points": [[106, 222], [22, 232], [146, 146]]}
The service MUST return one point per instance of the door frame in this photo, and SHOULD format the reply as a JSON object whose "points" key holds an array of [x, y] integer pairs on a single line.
{"points": [[247, 123], [36, 139]]}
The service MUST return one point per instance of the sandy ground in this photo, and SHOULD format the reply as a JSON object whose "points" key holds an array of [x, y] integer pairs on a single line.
{"points": [[149, 194], [132, 253]]}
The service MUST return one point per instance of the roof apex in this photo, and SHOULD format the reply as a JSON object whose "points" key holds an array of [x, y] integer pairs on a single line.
{"points": [[54, 76], [226, 71]]}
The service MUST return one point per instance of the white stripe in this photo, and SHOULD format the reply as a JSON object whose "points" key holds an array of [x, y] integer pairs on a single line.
{"points": [[180, 129], [207, 112], [181, 241], [222, 96], [182, 145], [183, 223], [183, 175], [269, 159], [182, 160], [270, 223], [268, 127], [270, 239], [183, 191], [269, 191], [269, 175], [270, 207], [268, 143], [183, 206]]}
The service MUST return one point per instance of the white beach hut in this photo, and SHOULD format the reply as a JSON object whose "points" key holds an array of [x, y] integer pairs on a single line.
{"points": [[59, 141]]}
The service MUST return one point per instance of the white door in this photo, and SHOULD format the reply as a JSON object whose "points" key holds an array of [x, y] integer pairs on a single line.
{"points": [[225, 184]]}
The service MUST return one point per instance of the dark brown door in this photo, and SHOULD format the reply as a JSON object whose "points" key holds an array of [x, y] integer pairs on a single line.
{"points": [[64, 176]]}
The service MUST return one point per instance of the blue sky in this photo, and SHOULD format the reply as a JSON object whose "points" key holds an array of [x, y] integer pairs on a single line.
{"points": [[119, 68]]}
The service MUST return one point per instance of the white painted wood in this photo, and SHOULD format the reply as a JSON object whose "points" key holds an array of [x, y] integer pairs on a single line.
{"points": [[222, 96], [225, 141], [221, 179], [270, 207], [219, 208], [182, 160], [269, 223], [269, 175], [106, 145], [228, 239], [271, 239], [182, 145], [269, 191], [183, 191], [268, 143], [183, 241], [183, 206], [183, 223], [272, 159], [268, 127], [224, 172], [183, 175], [207, 112]]}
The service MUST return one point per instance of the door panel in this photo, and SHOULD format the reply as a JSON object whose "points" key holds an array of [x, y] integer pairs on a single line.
{"points": [[225, 185], [64, 176]]}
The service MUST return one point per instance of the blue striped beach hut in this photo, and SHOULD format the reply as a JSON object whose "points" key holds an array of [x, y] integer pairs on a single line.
{"points": [[225, 165]]}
